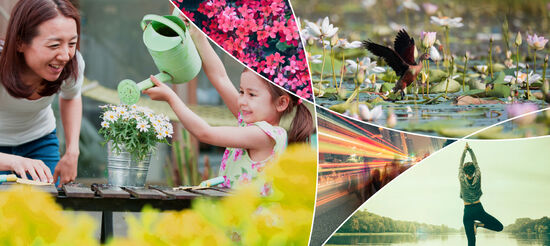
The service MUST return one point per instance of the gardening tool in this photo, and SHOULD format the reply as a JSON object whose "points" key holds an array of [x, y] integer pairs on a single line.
{"points": [[168, 41], [212, 182], [13, 178]]}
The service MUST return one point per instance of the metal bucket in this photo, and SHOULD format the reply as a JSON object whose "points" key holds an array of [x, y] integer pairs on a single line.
{"points": [[124, 171]]}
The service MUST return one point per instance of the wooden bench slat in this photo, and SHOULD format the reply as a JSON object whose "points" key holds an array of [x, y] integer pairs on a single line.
{"points": [[106, 191], [78, 190], [177, 194], [144, 193]]}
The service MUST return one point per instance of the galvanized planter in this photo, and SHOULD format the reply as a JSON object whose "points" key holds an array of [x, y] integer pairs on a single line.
{"points": [[124, 171]]}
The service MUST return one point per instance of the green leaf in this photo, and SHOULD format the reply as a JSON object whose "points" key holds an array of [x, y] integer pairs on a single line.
{"points": [[282, 46]]}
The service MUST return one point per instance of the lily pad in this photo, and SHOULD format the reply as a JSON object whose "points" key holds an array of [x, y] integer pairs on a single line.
{"points": [[437, 125], [387, 87], [437, 75], [454, 86], [499, 90], [475, 83]]}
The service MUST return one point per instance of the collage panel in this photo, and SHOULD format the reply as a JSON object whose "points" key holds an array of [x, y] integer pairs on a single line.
{"points": [[489, 192], [356, 160], [177, 141], [440, 68], [263, 35]]}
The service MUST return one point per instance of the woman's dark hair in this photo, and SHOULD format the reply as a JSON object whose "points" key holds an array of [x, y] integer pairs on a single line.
{"points": [[469, 168], [25, 18]]}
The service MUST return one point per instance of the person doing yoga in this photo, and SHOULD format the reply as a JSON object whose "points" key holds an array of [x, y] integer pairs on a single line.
{"points": [[475, 216]]}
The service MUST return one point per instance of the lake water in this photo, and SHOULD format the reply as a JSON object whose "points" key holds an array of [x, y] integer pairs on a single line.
{"points": [[501, 239]]}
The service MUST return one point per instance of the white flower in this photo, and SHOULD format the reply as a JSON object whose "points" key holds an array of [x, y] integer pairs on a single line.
{"points": [[364, 64], [396, 27], [368, 3], [322, 30], [447, 21], [536, 42], [370, 67], [104, 124], [110, 116], [370, 115], [142, 126], [434, 54], [316, 59], [522, 77], [481, 68], [344, 43], [427, 38], [410, 4], [429, 8]]}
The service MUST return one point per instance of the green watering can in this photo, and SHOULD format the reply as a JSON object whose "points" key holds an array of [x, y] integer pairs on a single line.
{"points": [[173, 52]]}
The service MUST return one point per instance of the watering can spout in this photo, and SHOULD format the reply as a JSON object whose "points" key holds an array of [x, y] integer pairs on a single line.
{"points": [[168, 41]]}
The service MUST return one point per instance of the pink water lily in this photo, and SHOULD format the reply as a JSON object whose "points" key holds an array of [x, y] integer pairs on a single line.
{"points": [[536, 42], [428, 39]]}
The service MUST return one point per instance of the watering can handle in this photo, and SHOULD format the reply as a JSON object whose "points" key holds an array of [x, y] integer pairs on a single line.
{"points": [[175, 27]]}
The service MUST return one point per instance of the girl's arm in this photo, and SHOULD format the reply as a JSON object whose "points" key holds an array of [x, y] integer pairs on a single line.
{"points": [[71, 116], [215, 71], [21, 165], [251, 137]]}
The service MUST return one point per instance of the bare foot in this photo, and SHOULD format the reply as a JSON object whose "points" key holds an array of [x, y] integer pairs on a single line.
{"points": [[476, 225]]}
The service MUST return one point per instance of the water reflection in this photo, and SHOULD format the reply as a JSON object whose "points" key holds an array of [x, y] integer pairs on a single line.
{"points": [[402, 239]]}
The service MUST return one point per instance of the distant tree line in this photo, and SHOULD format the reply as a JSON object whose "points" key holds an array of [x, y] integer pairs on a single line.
{"points": [[526, 225], [365, 222]]}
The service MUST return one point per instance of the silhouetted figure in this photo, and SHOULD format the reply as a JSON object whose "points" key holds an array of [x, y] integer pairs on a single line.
{"points": [[475, 216]]}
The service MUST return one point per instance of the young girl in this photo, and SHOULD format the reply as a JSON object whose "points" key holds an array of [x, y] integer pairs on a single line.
{"points": [[258, 106]]}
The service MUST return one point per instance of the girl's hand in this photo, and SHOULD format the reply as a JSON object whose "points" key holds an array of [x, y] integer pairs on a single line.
{"points": [[467, 146], [36, 168], [160, 92]]}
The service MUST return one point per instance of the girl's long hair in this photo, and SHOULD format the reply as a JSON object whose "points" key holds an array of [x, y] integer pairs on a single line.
{"points": [[25, 18], [302, 125]]}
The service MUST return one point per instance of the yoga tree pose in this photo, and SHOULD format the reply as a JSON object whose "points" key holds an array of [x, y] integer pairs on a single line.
{"points": [[475, 216]]}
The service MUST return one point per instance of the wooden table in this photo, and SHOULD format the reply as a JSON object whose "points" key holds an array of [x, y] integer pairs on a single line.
{"points": [[108, 199]]}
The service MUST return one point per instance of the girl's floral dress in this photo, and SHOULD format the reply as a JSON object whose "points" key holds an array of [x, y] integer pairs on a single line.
{"points": [[237, 167]]}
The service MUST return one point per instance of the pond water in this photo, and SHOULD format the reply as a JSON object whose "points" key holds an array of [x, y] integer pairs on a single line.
{"points": [[441, 115], [501, 239]]}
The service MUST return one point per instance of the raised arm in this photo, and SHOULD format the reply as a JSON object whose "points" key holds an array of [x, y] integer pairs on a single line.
{"points": [[215, 71], [462, 158], [474, 160], [250, 137]]}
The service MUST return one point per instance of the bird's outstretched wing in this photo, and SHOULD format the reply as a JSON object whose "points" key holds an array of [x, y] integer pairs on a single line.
{"points": [[389, 55], [404, 46]]}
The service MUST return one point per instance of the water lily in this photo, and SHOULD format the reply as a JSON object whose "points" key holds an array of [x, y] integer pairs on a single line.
{"points": [[428, 39], [370, 115], [410, 4], [344, 43], [481, 68], [391, 121], [522, 77], [365, 64], [447, 21], [322, 30], [536, 42], [315, 59], [368, 3], [517, 109], [429, 8], [434, 54]]}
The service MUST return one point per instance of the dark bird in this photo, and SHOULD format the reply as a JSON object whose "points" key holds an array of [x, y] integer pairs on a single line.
{"points": [[400, 59]]}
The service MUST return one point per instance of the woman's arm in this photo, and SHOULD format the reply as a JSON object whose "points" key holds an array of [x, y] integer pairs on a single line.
{"points": [[250, 137], [71, 116], [474, 160], [21, 165], [215, 71]]}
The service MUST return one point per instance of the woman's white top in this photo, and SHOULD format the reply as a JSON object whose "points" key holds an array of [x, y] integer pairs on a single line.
{"points": [[23, 120]]}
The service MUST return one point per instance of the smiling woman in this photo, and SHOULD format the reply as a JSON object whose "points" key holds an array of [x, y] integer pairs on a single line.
{"points": [[38, 60]]}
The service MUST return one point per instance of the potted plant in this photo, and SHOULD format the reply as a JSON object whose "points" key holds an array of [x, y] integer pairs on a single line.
{"points": [[131, 133]]}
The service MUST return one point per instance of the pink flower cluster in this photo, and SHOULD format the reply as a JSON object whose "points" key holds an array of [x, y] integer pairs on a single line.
{"points": [[262, 34]]}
